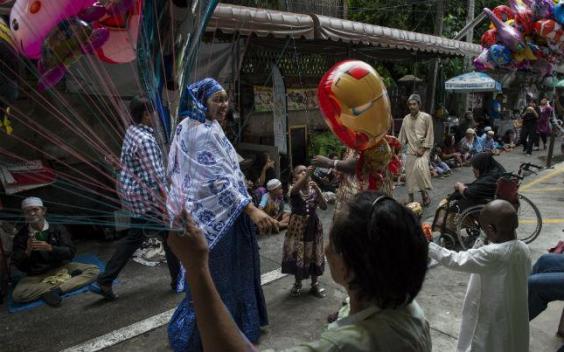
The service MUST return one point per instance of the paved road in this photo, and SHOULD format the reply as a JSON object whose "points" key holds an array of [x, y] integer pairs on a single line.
{"points": [[144, 293]]}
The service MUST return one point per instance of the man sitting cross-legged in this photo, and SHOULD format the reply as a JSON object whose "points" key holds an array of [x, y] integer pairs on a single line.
{"points": [[44, 252]]}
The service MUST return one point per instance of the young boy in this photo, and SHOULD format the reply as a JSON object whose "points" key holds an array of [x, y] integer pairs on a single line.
{"points": [[273, 203], [495, 315]]}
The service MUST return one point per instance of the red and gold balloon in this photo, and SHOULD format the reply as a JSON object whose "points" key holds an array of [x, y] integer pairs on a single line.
{"points": [[356, 107]]}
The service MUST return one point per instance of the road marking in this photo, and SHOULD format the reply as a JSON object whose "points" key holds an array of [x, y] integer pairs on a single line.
{"points": [[271, 276], [557, 171], [544, 221], [146, 325], [544, 190]]}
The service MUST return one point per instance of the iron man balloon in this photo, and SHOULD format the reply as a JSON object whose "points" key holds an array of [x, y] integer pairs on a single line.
{"points": [[355, 104]]}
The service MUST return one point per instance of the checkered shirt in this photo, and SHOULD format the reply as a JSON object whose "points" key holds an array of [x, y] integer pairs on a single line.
{"points": [[142, 176]]}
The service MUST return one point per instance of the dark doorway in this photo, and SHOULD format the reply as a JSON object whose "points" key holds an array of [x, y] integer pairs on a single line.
{"points": [[298, 145]]}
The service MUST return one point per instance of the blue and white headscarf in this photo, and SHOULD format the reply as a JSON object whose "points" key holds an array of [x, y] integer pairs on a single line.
{"points": [[204, 170], [193, 100]]}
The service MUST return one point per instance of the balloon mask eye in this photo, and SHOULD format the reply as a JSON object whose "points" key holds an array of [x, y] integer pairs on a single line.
{"points": [[362, 109], [35, 7], [359, 110], [15, 25]]}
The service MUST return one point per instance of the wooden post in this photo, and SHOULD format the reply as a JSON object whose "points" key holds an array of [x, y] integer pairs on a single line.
{"points": [[439, 22]]}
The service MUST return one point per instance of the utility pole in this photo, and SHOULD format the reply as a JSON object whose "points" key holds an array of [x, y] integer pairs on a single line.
{"points": [[470, 35], [439, 21], [469, 38]]}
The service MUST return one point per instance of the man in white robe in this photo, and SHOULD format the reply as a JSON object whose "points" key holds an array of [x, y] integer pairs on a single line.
{"points": [[495, 315], [417, 133]]}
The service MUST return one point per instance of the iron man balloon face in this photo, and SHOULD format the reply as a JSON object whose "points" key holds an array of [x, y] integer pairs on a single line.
{"points": [[355, 104]]}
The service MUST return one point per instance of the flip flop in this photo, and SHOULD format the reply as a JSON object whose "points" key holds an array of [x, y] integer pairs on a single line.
{"points": [[426, 202]]}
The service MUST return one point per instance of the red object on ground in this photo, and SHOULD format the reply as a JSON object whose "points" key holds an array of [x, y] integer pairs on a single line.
{"points": [[427, 231]]}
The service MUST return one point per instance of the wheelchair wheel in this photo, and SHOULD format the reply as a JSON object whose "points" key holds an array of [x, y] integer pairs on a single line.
{"points": [[530, 220], [447, 240], [468, 227]]}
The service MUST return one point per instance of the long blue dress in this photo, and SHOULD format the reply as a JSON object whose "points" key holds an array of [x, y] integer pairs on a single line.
{"points": [[235, 268], [206, 181]]}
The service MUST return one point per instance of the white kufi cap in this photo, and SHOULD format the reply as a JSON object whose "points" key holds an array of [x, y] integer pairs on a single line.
{"points": [[32, 202]]}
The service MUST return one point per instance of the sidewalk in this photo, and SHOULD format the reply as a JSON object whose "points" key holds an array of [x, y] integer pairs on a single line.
{"points": [[144, 291]]}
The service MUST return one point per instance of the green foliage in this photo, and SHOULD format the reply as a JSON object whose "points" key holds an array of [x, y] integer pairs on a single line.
{"points": [[418, 15], [324, 143]]}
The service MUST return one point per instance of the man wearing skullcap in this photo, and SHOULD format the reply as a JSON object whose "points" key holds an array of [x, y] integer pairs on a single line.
{"points": [[417, 133], [272, 203], [44, 251]]}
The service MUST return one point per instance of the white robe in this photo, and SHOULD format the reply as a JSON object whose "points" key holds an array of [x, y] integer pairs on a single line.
{"points": [[417, 132], [495, 316]]}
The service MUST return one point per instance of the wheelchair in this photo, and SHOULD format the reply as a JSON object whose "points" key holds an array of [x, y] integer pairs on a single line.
{"points": [[459, 229]]}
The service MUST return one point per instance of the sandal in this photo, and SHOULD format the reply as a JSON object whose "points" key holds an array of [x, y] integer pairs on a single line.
{"points": [[317, 291], [425, 202], [296, 290]]}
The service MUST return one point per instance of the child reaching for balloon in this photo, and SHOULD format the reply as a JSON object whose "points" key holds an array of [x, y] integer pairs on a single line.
{"points": [[303, 246]]}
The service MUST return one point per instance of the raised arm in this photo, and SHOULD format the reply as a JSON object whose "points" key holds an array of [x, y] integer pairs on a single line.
{"points": [[471, 261], [302, 181], [347, 166]]}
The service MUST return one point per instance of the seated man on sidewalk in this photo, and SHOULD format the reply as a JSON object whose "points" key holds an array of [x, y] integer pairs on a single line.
{"points": [[495, 314], [44, 252]]}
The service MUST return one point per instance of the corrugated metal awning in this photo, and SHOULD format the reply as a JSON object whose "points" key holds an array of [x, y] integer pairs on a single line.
{"points": [[336, 29], [261, 22]]}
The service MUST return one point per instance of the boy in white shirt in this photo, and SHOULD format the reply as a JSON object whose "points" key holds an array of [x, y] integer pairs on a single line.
{"points": [[495, 312]]}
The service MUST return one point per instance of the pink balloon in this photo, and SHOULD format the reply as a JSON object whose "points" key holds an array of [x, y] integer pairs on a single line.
{"points": [[121, 46], [482, 62], [32, 20], [506, 34]]}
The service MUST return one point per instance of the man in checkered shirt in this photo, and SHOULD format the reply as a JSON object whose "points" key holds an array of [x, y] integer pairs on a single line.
{"points": [[142, 187]]}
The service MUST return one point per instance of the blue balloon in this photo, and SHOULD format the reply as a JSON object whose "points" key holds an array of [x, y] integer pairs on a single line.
{"points": [[500, 54], [559, 12]]}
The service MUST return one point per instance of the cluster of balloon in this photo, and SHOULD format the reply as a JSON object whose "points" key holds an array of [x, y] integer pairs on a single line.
{"points": [[526, 35], [59, 32], [356, 107], [9, 72]]}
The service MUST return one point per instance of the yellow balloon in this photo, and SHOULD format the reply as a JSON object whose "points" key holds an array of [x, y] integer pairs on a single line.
{"points": [[526, 54]]}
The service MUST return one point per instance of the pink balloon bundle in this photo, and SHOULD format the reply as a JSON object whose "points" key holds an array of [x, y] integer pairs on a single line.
{"points": [[41, 27]]}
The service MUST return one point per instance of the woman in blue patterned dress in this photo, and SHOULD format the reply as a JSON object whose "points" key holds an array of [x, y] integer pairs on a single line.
{"points": [[208, 183]]}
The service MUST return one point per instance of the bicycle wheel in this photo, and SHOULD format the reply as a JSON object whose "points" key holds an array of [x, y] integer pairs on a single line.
{"points": [[468, 227], [530, 220]]}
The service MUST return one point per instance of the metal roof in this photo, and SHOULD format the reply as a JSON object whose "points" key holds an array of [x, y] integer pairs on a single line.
{"points": [[336, 29], [263, 22], [248, 20]]}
